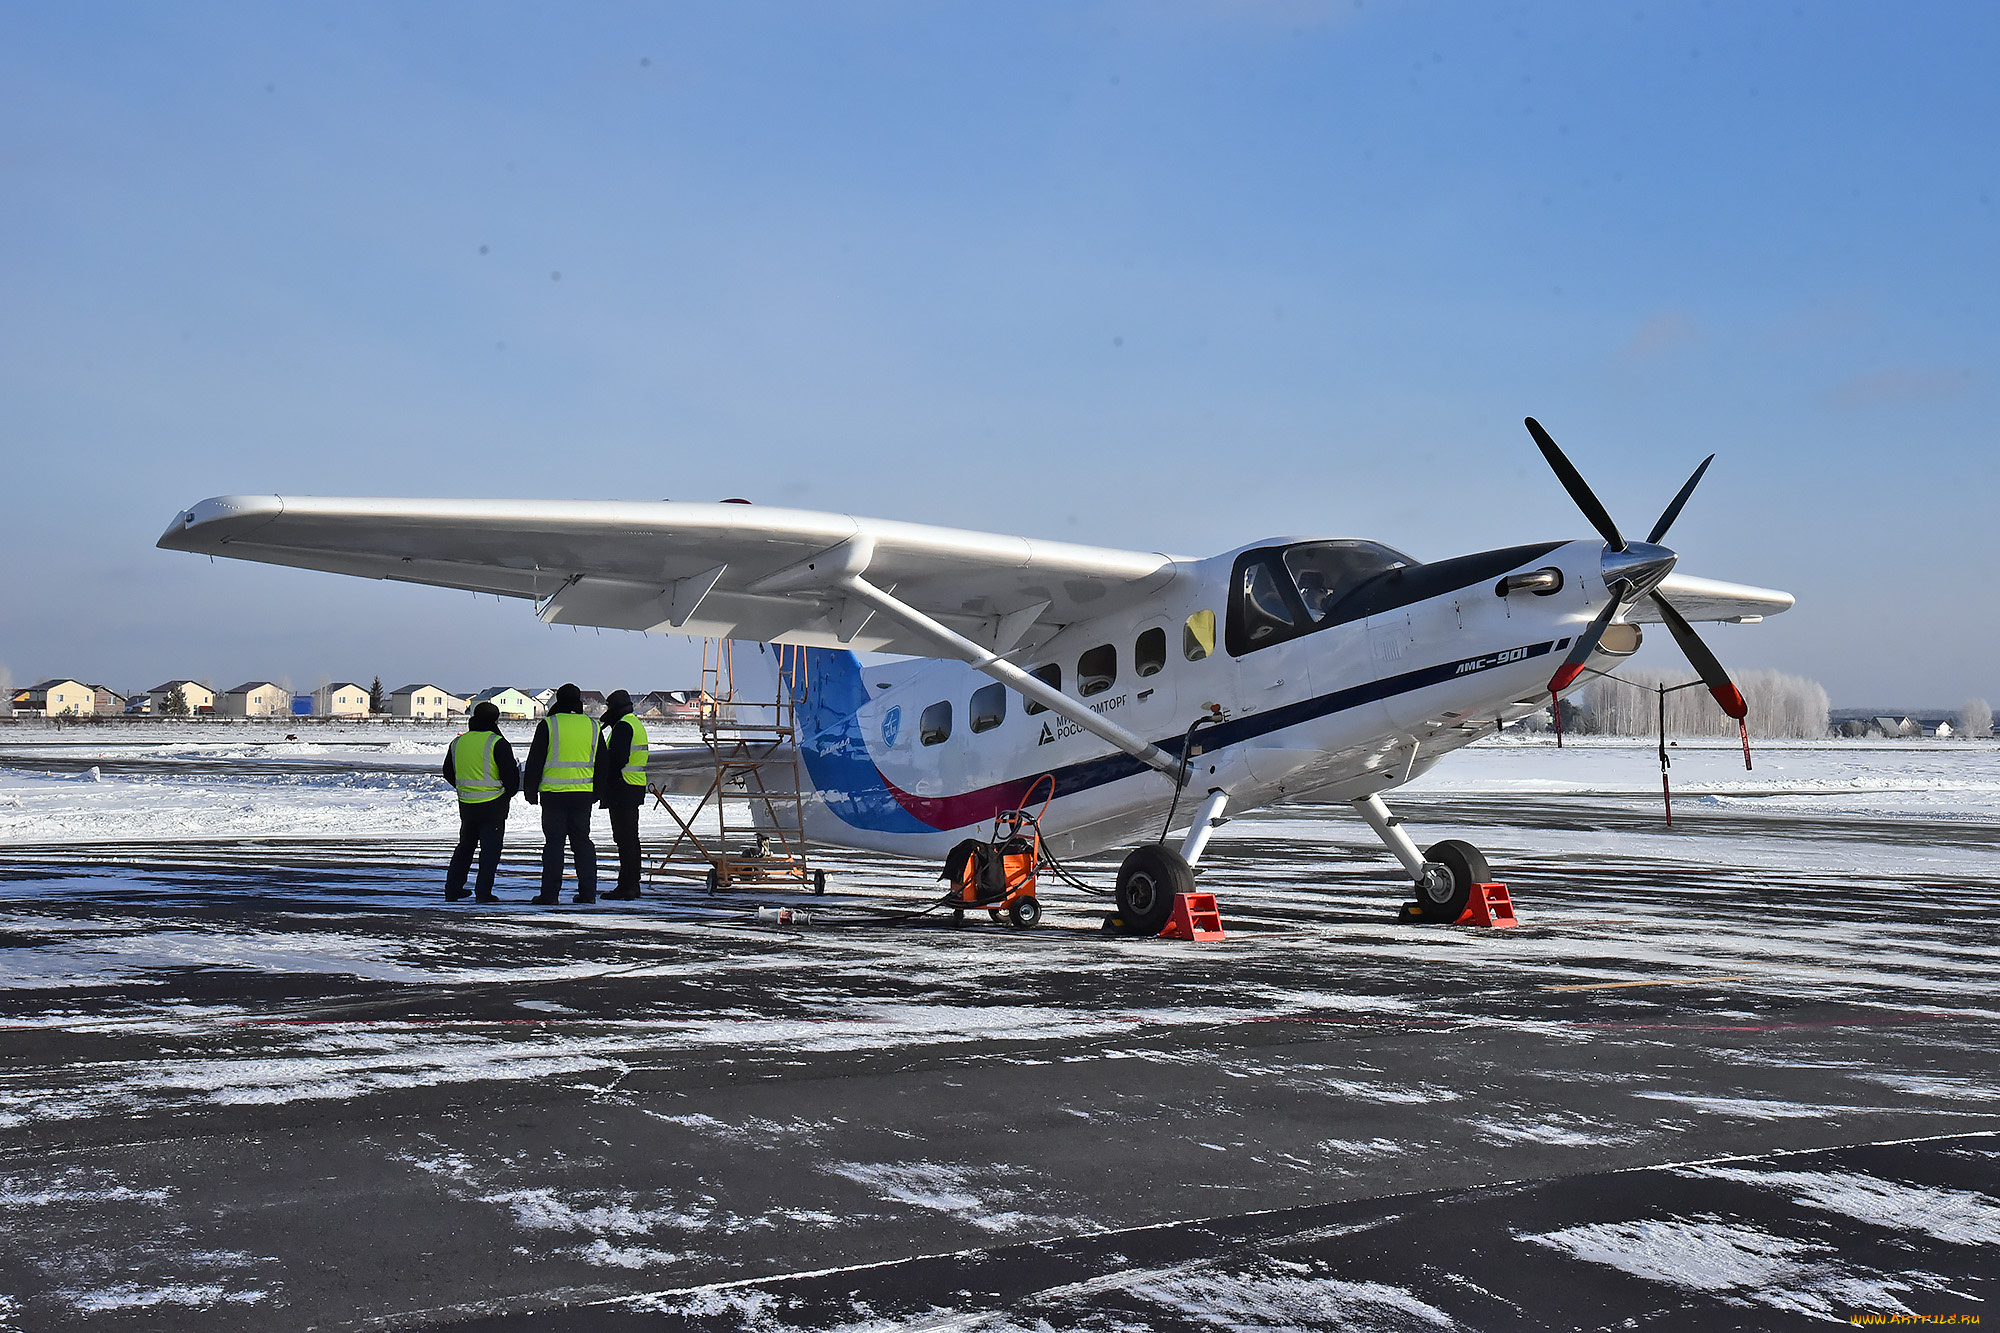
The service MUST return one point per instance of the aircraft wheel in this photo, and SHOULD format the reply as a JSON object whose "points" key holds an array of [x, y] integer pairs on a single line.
{"points": [[819, 881], [713, 879], [1148, 879], [1025, 913], [1446, 902]]}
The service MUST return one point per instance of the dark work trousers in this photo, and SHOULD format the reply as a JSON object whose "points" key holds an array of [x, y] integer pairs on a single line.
{"points": [[566, 814], [625, 832], [483, 825]]}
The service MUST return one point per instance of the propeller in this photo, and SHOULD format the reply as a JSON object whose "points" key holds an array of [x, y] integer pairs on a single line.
{"points": [[1579, 489], [1624, 580], [1673, 511]]}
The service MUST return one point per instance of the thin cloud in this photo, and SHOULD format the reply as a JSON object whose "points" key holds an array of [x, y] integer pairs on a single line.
{"points": [[1884, 386], [1665, 332]]}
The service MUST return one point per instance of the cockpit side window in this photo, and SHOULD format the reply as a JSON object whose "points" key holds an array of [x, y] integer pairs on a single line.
{"points": [[1324, 573], [1283, 592], [1262, 611]]}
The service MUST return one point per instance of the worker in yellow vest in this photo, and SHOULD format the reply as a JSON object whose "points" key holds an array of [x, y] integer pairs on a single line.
{"points": [[561, 777], [621, 785], [480, 764]]}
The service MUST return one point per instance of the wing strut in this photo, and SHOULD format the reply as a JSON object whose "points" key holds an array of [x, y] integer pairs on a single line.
{"points": [[992, 664]]}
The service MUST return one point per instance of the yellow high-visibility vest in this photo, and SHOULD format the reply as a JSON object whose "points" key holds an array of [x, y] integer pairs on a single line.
{"points": [[635, 763], [572, 758], [472, 767]]}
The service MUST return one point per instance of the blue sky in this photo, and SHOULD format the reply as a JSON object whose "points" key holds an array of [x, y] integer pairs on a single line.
{"points": [[1167, 276]]}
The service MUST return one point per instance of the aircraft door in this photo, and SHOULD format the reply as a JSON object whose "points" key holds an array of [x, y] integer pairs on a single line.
{"points": [[1262, 636]]}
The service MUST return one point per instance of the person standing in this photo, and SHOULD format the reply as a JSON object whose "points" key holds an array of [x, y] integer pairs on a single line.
{"points": [[621, 786], [560, 775], [480, 764]]}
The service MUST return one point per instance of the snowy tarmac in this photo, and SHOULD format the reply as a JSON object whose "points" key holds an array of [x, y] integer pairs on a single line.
{"points": [[1743, 1074]]}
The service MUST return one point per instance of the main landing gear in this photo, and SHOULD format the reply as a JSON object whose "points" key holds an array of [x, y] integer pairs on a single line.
{"points": [[1443, 873], [1151, 876]]}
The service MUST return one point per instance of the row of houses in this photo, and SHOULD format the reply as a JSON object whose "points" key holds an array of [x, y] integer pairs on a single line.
{"points": [[264, 698]]}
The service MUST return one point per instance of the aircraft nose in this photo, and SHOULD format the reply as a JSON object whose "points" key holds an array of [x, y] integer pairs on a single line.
{"points": [[1640, 566]]}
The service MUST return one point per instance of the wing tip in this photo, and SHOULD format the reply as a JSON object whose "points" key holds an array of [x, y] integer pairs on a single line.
{"points": [[196, 527]]}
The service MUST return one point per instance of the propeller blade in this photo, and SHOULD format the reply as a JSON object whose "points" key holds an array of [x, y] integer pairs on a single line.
{"points": [[1579, 489], [1572, 666], [1711, 672], [1673, 511]]}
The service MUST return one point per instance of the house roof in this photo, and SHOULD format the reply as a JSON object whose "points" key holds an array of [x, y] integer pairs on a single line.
{"points": [[495, 691], [250, 685], [412, 689], [51, 684], [163, 689], [344, 685]]}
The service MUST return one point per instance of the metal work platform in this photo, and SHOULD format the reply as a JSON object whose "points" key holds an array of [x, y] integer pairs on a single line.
{"points": [[756, 791]]}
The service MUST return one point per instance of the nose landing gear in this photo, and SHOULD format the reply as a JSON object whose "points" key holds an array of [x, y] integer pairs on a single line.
{"points": [[1443, 874]]}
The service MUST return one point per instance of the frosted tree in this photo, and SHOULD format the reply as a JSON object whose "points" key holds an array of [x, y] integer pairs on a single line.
{"points": [[1782, 706], [1975, 718]]}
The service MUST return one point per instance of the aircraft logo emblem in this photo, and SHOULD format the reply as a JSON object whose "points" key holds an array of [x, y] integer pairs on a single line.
{"points": [[892, 725]]}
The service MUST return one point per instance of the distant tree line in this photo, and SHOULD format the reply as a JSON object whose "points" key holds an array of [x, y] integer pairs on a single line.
{"points": [[1782, 706]]}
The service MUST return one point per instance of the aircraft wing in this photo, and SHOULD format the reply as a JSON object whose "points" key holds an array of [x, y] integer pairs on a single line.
{"points": [[723, 570], [1711, 599]]}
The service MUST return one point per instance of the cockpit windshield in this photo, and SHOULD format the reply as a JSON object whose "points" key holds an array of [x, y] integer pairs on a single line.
{"points": [[1326, 572]]}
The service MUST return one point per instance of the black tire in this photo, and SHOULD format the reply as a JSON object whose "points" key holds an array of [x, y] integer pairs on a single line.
{"points": [[993, 915], [819, 882], [1025, 913], [1148, 880], [957, 917], [1467, 868], [714, 880]]}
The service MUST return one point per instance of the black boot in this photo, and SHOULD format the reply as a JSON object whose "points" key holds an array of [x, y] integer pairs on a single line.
{"points": [[623, 895], [545, 899]]}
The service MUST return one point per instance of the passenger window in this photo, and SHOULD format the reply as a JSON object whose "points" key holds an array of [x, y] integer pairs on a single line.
{"points": [[1149, 654], [1051, 676], [1097, 670], [1198, 636], [1265, 613], [935, 726], [989, 707]]}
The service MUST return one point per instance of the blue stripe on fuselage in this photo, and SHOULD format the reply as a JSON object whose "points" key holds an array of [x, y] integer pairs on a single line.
{"points": [[827, 684]]}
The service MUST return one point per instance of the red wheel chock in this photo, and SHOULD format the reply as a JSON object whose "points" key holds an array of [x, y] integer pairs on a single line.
{"points": [[1195, 917], [1489, 905]]}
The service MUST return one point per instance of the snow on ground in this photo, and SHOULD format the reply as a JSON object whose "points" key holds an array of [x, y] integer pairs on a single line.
{"points": [[209, 780], [188, 781]]}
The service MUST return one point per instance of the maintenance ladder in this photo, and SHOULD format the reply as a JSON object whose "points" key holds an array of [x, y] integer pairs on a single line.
{"points": [[756, 789]]}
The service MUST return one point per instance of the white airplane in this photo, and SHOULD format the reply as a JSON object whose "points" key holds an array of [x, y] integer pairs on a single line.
{"points": [[1135, 690]]}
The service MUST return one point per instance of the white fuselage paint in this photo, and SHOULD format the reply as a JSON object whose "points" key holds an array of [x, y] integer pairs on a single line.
{"points": [[1370, 745]]}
